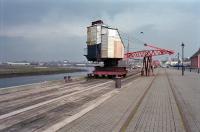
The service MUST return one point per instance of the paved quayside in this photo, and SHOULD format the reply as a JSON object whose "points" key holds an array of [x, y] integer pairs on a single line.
{"points": [[148, 104], [165, 102], [39, 106]]}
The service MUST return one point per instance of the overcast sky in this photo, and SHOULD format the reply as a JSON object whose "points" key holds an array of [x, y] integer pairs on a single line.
{"points": [[47, 30]]}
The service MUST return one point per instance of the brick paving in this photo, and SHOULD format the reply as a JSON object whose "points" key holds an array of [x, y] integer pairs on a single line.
{"points": [[158, 111], [172, 104], [167, 102], [187, 89], [110, 114]]}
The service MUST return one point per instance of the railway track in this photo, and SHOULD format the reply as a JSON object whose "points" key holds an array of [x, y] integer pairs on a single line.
{"points": [[144, 117], [40, 111], [36, 108]]}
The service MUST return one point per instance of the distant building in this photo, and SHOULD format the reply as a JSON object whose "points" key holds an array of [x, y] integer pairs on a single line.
{"points": [[172, 62], [156, 63], [34, 63], [195, 59], [18, 63], [65, 61]]}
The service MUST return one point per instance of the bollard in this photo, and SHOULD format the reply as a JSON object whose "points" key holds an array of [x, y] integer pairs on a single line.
{"points": [[65, 79], [89, 76], [190, 69], [198, 70], [69, 78], [142, 73], [118, 82]]}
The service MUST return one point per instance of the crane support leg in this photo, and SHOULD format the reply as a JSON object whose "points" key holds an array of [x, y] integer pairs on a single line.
{"points": [[147, 68]]}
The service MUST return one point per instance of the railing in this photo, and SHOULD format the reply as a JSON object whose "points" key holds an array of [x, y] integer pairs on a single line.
{"points": [[190, 69]]}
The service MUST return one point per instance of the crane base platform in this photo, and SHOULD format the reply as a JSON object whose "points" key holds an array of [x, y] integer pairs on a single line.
{"points": [[109, 72]]}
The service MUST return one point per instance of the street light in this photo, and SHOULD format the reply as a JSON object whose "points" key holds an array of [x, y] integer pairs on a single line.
{"points": [[182, 45], [178, 61], [128, 52], [128, 45]]}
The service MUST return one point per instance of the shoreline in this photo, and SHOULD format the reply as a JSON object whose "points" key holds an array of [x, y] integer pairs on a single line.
{"points": [[33, 74], [38, 83]]}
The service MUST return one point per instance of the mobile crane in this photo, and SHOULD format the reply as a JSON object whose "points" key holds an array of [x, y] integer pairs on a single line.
{"points": [[104, 44]]}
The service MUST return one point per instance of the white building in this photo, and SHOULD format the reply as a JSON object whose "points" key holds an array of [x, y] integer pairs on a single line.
{"points": [[18, 63]]}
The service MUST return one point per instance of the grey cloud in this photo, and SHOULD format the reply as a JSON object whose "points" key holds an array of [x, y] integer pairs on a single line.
{"points": [[22, 49], [51, 29]]}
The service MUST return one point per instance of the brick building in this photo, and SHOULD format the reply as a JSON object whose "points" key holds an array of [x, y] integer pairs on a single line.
{"points": [[195, 59]]}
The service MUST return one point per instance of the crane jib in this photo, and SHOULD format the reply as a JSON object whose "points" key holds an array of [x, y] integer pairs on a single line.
{"points": [[140, 54]]}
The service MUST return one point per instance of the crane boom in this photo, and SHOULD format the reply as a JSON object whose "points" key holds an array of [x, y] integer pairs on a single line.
{"points": [[143, 53], [152, 46], [153, 52]]}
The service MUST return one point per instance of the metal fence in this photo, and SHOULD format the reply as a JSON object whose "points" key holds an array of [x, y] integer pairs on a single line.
{"points": [[190, 69]]}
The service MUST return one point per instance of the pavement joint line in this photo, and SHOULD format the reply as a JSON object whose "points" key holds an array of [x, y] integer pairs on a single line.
{"points": [[43, 90], [96, 103], [70, 99], [49, 101], [27, 95], [129, 83], [21, 85], [63, 86], [41, 97], [36, 84], [183, 118], [170, 101], [46, 102], [133, 112], [117, 126]]}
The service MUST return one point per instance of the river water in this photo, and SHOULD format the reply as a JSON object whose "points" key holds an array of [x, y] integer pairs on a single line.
{"points": [[15, 81]]}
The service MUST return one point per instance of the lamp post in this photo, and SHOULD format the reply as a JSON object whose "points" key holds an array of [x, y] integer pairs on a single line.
{"points": [[178, 61], [128, 52], [182, 45], [128, 46]]}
